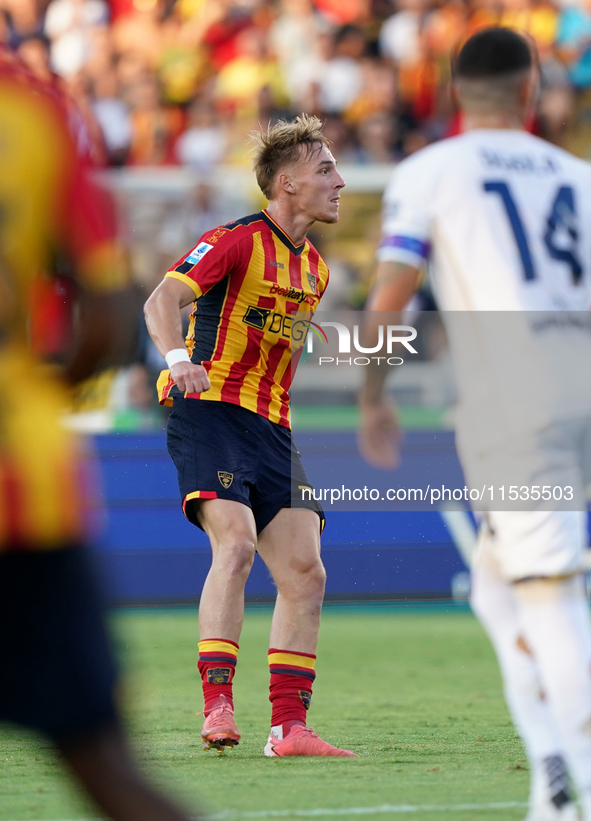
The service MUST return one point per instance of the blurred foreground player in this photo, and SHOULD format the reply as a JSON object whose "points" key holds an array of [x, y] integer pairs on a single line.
{"points": [[505, 220], [57, 669], [229, 431]]}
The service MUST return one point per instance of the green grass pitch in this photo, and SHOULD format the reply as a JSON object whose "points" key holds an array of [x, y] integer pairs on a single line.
{"points": [[414, 691]]}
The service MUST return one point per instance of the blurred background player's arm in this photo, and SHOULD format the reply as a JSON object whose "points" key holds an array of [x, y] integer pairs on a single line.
{"points": [[163, 318], [106, 332], [106, 304], [379, 432]]}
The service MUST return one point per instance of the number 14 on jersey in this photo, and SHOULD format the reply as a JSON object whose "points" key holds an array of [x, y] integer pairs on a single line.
{"points": [[561, 219]]}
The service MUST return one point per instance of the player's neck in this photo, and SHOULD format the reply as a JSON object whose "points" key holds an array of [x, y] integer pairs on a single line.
{"points": [[503, 120], [295, 225]]}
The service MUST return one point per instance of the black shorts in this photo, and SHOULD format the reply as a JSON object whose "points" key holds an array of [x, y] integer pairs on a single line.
{"points": [[57, 671], [224, 451]]}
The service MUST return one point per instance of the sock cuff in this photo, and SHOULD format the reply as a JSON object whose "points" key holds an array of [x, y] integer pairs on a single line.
{"points": [[212, 648], [287, 662]]}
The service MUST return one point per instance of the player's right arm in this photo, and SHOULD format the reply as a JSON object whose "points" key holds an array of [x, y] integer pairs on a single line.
{"points": [[217, 255], [163, 318]]}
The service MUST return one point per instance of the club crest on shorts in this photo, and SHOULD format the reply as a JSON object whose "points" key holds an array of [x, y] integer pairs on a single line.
{"points": [[225, 478]]}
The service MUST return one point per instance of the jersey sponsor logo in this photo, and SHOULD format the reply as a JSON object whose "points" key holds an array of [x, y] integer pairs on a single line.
{"points": [[199, 252], [276, 264], [299, 332], [258, 318], [218, 675], [292, 293], [225, 478], [217, 234]]}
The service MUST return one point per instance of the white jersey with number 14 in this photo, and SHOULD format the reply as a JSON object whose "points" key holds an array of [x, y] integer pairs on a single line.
{"points": [[504, 221]]}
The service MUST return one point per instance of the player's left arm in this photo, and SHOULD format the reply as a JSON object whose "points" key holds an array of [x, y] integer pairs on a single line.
{"points": [[379, 432]]}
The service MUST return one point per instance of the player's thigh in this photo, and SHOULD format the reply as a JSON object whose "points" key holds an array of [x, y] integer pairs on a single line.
{"points": [[214, 448], [230, 525], [281, 480], [290, 545]]}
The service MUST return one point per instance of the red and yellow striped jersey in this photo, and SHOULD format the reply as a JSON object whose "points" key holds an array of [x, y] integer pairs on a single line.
{"points": [[48, 208], [250, 283]]}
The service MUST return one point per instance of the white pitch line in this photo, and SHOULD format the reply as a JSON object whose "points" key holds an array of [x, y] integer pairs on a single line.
{"points": [[383, 809], [330, 811]]}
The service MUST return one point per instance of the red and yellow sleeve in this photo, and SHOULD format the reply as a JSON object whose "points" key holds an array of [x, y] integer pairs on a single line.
{"points": [[214, 257]]}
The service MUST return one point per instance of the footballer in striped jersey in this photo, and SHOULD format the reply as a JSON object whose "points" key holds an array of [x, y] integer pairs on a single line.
{"points": [[58, 671], [229, 431]]}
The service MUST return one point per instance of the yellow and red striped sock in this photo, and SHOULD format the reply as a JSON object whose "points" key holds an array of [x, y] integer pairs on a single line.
{"points": [[290, 691], [216, 665]]}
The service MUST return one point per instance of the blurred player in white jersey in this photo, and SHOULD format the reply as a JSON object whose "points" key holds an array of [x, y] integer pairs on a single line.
{"points": [[504, 219]]}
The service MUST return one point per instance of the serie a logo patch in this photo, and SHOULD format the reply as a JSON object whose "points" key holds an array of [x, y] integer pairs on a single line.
{"points": [[225, 478], [218, 675], [199, 252], [306, 697]]}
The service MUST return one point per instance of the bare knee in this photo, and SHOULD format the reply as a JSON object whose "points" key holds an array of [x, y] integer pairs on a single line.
{"points": [[303, 579], [234, 556], [317, 575]]}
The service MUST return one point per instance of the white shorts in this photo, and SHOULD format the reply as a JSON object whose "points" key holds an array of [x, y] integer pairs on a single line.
{"points": [[541, 538], [535, 544]]}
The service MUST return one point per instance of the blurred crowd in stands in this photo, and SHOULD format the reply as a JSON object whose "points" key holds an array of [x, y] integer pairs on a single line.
{"points": [[182, 81]]}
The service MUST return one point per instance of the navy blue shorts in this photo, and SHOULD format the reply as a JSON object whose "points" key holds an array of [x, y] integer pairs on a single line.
{"points": [[224, 451], [58, 671]]}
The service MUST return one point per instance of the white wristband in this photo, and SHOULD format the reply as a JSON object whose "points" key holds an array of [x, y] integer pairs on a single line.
{"points": [[177, 355]]}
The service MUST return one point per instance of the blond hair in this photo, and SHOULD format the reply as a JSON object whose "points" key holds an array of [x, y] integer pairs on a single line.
{"points": [[280, 145]]}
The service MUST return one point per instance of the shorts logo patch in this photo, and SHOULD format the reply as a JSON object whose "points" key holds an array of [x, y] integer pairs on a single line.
{"points": [[199, 252], [311, 280], [306, 698], [225, 478], [218, 675]]}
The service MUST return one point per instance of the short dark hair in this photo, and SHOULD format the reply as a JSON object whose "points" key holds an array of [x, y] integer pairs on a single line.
{"points": [[493, 52]]}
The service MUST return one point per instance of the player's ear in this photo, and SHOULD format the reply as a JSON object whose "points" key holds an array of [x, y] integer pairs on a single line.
{"points": [[285, 183]]}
